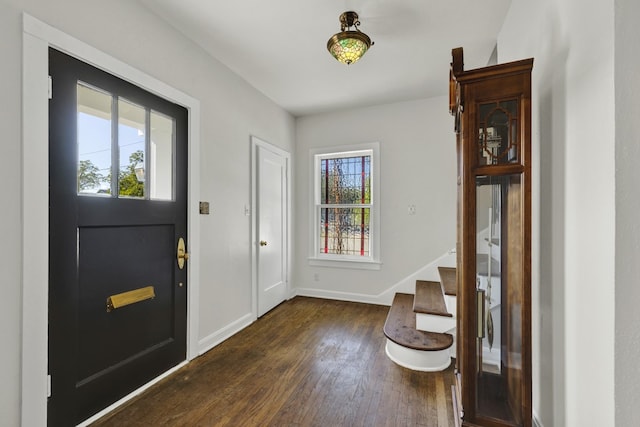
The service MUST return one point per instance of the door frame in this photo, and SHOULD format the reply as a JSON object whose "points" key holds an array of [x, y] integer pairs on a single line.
{"points": [[37, 38], [256, 143]]}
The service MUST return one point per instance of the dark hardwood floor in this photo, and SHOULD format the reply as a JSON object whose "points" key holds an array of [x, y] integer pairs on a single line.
{"points": [[308, 362]]}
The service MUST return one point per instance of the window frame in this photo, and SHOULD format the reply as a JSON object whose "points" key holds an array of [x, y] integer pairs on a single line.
{"points": [[316, 257]]}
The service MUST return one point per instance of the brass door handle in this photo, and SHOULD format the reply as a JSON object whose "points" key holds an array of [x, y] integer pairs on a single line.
{"points": [[182, 254], [263, 243]]}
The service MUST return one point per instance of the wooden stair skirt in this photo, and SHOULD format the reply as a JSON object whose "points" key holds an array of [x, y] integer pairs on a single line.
{"points": [[410, 347]]}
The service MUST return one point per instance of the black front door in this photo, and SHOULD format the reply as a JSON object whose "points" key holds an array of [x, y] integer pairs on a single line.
{"points": [[117, 209]]}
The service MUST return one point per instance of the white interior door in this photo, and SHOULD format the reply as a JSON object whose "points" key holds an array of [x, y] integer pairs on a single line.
{"points": [[271, 230]]}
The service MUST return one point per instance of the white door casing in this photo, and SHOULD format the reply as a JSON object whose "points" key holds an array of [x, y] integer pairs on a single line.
{"points": [[37, 38], [270, 167]]}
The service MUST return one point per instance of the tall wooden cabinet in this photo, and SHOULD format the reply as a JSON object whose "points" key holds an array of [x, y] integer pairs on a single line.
{"points": [[492, 109]]}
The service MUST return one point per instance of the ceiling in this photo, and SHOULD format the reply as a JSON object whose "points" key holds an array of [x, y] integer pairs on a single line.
{"points": [[279, 46]]}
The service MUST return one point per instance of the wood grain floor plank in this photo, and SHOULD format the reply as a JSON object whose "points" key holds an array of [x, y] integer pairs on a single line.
{"points": [[308, 362]]}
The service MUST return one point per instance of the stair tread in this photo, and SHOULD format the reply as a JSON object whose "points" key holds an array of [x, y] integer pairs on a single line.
{"points": [[448, 279], [429, 299], [482, 268], [400, 327]]}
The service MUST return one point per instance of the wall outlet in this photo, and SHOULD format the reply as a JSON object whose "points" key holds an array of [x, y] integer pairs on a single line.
{"points": [[411, 209]]}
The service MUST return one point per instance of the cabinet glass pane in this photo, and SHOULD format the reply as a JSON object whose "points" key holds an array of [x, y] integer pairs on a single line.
{"points": [[132, 147], [94, 141], [499, 286], [498, 133]]}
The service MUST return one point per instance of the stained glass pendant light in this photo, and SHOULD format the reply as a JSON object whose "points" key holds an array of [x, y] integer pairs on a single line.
{"points": [[349, 46]]}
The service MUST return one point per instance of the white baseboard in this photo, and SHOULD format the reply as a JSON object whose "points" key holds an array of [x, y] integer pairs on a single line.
{"points": [[428, 272], [405, 285], [208, 342], [341, 296]]}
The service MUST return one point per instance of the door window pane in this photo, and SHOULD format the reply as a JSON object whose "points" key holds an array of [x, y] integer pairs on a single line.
{"points": [[132, 149], [94, 141], [138, 159], [161, 157]]}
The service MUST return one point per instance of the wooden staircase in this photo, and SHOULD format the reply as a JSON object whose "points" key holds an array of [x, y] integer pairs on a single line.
{"points": [[420, 328]]}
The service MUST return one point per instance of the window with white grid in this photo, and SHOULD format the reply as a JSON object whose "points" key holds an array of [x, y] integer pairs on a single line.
{"points": [[345, 205]]}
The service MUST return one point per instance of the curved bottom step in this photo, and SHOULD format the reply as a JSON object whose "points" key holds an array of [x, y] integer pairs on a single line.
{"points": [[418, 360]]}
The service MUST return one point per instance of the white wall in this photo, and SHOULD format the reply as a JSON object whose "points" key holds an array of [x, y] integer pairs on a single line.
{"points": [[573, 204], [417, 160], [10, 216], [231, 112], [627, 346]]}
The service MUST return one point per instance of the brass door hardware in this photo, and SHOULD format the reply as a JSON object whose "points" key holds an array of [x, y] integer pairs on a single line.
{"points": [[263, 243], [130, 297], [182, 254]]}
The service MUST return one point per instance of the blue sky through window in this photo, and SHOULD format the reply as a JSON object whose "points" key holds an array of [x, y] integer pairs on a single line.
{"points": [[94, 143]]}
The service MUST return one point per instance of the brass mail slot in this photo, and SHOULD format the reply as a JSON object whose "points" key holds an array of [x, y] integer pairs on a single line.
{"points": [[130, 297]]}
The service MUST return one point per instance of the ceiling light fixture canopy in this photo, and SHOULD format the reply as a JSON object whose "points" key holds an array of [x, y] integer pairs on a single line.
{"points": [[349, 46]]}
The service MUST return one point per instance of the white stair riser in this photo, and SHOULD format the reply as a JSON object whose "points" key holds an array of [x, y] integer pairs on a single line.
{"points": [[434, 323], [451, 302], [452, 349], [418, 360]]}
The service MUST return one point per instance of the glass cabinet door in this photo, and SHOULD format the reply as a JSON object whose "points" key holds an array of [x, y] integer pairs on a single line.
{"points": [[499, 288]]}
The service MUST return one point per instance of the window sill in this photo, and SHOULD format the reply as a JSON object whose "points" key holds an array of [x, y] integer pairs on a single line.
{"points": [[345, 263]]}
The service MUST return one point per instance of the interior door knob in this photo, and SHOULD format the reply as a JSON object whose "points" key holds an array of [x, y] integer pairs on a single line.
{"points": [[263, 243]]}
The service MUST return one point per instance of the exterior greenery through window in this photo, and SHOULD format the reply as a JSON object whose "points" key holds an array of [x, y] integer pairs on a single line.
{"points": [[344, 204], [91, 179]]}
